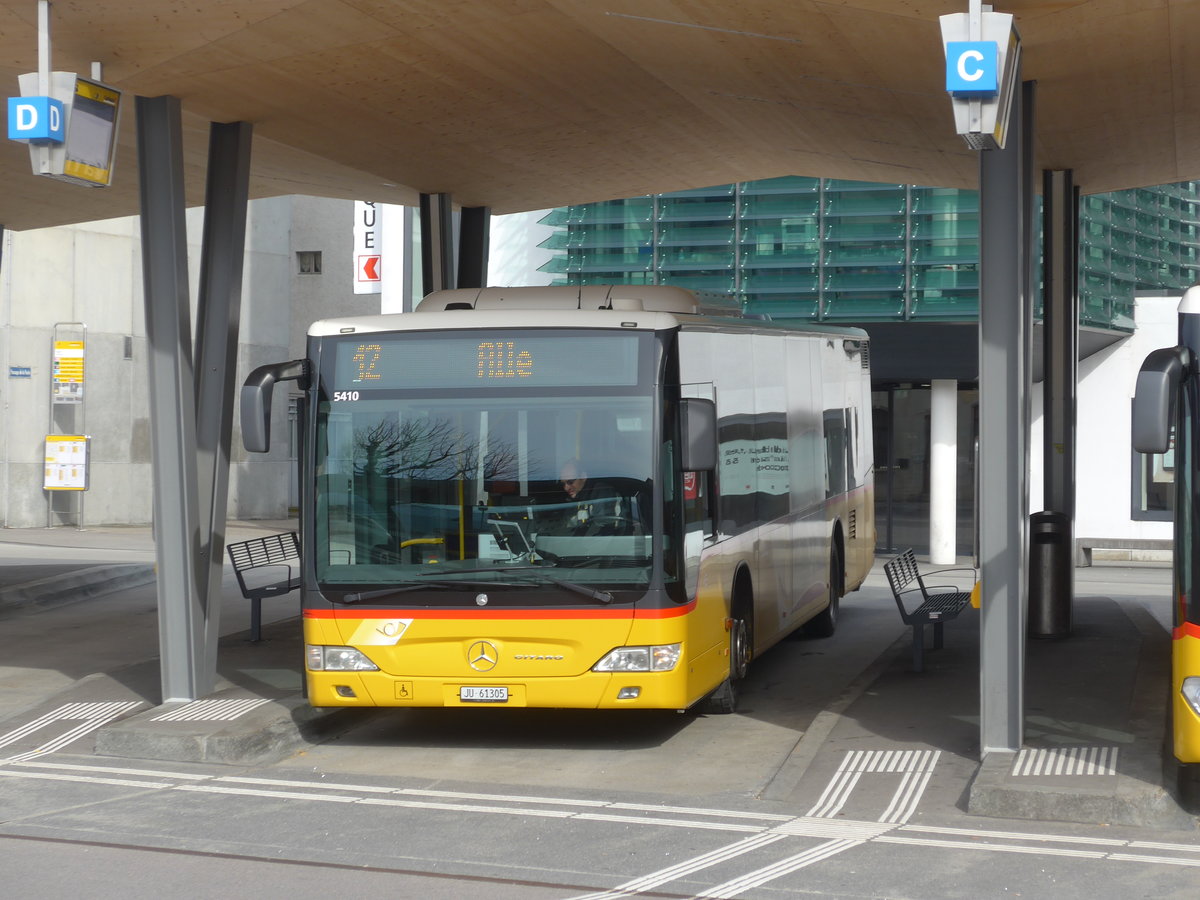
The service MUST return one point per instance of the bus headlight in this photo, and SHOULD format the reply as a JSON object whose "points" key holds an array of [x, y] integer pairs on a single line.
{"points": [[658, 658], [337, 659], [1191, 693]]}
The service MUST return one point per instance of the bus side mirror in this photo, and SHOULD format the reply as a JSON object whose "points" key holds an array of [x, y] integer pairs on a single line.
{"points": [[1154, 399], [256, 400], [699, 432]]}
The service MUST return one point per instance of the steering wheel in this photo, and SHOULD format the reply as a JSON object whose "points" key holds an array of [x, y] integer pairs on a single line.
{"points": [[613, 525]]}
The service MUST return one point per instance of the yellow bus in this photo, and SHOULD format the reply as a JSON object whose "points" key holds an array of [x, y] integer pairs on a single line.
{"points": [[598, 497], [1166, 419]]}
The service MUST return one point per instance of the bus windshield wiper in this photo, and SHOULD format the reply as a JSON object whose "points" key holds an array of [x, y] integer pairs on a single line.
{"points": [[602, 596], [369, 596], [439, 584]]}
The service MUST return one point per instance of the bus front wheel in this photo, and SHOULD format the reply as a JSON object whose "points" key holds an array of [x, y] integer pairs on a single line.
{"points": [[724, 699]]}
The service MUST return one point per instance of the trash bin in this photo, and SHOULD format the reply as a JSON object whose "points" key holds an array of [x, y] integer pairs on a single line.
{"points": [[1051, 575]]}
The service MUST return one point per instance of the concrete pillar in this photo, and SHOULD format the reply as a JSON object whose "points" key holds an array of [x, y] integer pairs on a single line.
{"points": [[943, 471]]}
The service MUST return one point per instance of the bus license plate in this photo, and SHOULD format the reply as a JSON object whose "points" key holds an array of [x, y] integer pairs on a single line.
{"points": [[483, 694]]}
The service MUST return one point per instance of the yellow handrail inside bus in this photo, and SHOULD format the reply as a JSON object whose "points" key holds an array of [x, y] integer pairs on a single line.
{"points": [[411, 541]]}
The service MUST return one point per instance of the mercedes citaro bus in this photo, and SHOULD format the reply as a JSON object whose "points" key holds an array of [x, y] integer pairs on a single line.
{"points": [[722, 496], [1166, 419]]}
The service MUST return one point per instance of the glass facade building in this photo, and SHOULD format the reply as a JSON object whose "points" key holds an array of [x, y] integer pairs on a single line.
{"points": [[845, 251], [901, 261]]}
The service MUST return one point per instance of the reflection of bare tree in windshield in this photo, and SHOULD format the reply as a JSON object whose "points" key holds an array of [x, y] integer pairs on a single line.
{"points": [[427, 449]]}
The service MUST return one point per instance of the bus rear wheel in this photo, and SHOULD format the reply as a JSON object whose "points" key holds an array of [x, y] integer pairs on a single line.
{"points": [[824, 624]]}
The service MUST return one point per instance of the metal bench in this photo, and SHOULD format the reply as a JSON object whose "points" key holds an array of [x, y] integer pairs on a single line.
{"points": [[937, 604], [272, 564]]}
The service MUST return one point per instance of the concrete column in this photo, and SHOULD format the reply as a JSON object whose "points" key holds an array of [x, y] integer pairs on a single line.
{"points": [[943, 471]]}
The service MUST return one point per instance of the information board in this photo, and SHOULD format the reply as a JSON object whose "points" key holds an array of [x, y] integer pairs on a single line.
{"points": [[66, 466], [67, 375]]}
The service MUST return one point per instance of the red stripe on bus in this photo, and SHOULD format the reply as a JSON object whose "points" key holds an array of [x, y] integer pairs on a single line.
{"points": [[543, 614], [1187, 629]]}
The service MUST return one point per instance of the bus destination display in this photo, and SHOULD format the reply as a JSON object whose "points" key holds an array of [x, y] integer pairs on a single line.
{"points": [[491, 361]]}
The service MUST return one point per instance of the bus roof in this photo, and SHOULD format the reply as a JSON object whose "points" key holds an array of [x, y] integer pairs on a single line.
{"points": [[639, 307], [625, 297]]}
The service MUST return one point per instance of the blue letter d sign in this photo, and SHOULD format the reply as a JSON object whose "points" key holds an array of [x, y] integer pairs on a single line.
{"points": [[38, 119]]}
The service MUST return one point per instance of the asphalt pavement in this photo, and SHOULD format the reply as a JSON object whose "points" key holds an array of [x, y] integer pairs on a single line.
{"points": [[78, 621]]}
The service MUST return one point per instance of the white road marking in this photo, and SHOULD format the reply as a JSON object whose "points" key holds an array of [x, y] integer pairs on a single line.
{"points": [[1158, 860], [894, 838], [91, 715], [1157, 845], [218, 710], [113, 770], [838, 835], [834, 828], [760, 877], [1029, 836], [915, 767], [675, 823], [1066, 761], [84, 779], [683, 869]]}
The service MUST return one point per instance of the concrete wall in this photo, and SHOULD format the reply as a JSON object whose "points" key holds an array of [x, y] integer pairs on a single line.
{"points": [[92, 273], [88, 274]]}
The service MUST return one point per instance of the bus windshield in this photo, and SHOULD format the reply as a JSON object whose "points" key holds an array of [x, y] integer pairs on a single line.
{"points": [[435, 468]]}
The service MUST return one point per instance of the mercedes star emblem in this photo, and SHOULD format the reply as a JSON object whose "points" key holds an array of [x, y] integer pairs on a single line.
{"points": [[482, 656]]}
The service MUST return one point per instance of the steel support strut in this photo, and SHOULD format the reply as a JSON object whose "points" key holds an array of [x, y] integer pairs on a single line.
{"points": [[182, 628], [190, 415], [1005, 211]]}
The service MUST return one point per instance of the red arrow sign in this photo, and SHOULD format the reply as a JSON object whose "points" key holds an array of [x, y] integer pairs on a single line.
{"points": [[368, 268]]}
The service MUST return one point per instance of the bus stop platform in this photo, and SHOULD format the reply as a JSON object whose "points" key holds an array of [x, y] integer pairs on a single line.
{"points": [[78, 637]]}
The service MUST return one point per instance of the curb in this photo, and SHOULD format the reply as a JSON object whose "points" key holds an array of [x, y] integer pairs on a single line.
{"points": [[71, 587], [265, 735], [1119, 800]]}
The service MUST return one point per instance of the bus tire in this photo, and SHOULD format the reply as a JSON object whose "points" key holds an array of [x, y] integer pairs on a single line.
{"points": [[723, 700], [824, 624]]}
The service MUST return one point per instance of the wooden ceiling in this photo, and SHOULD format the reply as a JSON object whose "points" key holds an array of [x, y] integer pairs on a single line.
{"points": [[527, 104]]}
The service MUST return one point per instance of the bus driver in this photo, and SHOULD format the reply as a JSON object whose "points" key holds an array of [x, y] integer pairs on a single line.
{"points": [[589, 494]]}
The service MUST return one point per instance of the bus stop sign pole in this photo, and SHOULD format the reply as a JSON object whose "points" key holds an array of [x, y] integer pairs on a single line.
{"points": [[993, 113]]}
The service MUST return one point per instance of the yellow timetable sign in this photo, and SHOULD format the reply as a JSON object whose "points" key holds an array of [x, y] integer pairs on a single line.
{"points": [[66, 375], [91, 138], [66, 462]]}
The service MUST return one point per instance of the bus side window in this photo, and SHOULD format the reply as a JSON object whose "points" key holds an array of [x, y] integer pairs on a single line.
{"points": [[836, 452]]}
